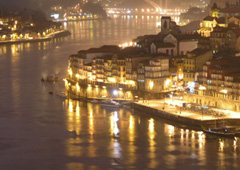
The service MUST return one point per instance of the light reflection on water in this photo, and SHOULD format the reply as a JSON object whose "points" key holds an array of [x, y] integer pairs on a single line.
{"points": [[168, 145], [96, 138]]}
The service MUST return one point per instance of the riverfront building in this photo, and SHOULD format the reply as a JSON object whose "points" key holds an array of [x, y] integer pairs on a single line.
{"points": [[166, 62], [220, 84], [128, 71]]}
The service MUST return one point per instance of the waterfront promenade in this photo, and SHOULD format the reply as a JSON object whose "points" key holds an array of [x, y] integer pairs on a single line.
{"points": [[50, 36], [172, 109]]}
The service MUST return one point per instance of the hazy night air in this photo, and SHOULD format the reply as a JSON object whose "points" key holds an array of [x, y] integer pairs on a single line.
{"points": [[46, 3], [119, 84]]}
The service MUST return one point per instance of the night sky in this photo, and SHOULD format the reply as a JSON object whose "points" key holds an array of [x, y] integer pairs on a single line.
{"points": [[34, 4]]}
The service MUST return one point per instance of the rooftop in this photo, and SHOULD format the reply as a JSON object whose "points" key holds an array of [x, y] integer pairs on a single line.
{"points": [[199, 51]]}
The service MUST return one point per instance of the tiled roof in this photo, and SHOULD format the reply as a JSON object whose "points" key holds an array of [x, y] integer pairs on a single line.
{"points": [[199, 51], [161, 44], [221, 20], [159, 58], [187, 36], [104, 49], [208, 18]]}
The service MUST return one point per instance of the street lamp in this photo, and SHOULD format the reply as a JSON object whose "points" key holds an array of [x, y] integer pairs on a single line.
{"points": [[115, 92]]}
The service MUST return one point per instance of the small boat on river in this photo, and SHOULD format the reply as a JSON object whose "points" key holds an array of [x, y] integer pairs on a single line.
{"points": [[110, 103], [226, 131], [51, 78], [94, 101]]}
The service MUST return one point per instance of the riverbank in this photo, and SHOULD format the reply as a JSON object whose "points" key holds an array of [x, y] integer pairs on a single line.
{"points": [[163, 110], [58, 34], [88, 19]]}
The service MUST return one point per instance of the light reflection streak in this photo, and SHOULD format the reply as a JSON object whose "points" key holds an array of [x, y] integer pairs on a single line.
{"points": [[131, 135], [116, 148], [78, 121], [74, 125], [74, 121], [221, 154], [182, 137], [131, 124], [193, 142], [115, 120], [152, 149], [235, 144], [170, 130], [221, 145], [201, 139], [91, 124]]}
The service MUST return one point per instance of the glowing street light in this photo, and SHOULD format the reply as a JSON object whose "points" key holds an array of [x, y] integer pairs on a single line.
{"points": [[70, 72], [115, 92], [167, 82]]}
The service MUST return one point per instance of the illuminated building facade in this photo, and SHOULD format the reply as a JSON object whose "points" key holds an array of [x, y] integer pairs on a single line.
{"points": [[21, 28], [123, 70], [220, 85], [193, 63], [156, 74]]}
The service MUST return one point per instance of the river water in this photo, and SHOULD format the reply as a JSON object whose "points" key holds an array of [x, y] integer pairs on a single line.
{"points": [[42, 131]]}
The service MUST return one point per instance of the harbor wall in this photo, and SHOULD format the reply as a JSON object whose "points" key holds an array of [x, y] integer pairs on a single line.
{"points": [[185, 120]]}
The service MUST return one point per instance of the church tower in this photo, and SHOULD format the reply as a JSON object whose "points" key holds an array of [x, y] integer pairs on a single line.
{"points": [[165, 25]]}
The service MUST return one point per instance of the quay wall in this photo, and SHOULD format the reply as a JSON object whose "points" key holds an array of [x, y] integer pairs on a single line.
{"points": [[185, 120]]}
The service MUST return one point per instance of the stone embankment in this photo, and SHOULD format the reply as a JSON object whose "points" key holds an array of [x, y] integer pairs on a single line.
{"points": [[183, 119]]}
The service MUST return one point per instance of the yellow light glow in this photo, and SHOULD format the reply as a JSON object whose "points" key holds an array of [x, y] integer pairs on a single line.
{"points": [[167, 82], [70, 72], [77, 75], [224, 91], [112, 80], [132, 82], [151, 84], [180, 76], [202, 88], [78, 87], [151, 125]]}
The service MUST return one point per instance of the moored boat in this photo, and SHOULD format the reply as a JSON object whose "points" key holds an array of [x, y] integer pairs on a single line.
{"points": [[51, 78], [94, 101], [223, 131], [63, 95], [110, 103]]}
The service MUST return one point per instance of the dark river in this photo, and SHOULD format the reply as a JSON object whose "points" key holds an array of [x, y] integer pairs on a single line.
{"points": [[39, 131]]}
